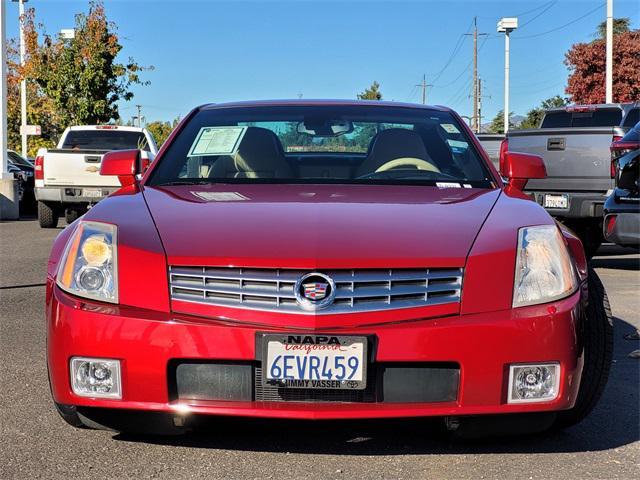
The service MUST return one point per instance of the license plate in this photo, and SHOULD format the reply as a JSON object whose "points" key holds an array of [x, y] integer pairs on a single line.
{"points": [[92, 192], [556, 201], [315, 361]]}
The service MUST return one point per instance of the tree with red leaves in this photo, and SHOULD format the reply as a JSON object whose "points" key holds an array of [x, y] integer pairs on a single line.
{"points": [[586, 62]]}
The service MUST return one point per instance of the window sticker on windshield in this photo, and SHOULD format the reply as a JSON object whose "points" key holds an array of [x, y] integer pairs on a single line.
{"points": [[449, 128], [217, 141], [447, 185], [457, 146], [220, 196]]}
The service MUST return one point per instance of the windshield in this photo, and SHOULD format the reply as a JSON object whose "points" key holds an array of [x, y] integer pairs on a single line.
{"points": [[111, 139], [322, 144]]}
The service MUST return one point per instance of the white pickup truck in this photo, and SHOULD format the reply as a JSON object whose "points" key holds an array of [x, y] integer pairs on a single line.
{"points": [[67, 178]]}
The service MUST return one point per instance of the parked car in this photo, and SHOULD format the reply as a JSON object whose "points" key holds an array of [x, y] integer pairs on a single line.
{"points": [[68, 178], [491, 142], [323, 260], [574, 143], [26, 187], [20, 177], [622, 208]]}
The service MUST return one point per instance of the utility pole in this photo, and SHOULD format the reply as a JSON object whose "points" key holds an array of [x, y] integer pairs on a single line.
{"points": [[9, 206], [609, 71], [480, 97], [139, 107], [424, 86], [475, 124], [23, 82]]}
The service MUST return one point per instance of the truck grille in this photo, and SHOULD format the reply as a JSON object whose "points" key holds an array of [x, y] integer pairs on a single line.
{"points": [[355, 290]]}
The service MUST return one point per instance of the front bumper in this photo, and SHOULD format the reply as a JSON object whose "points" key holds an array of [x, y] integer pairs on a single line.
{"points": [[148, 343]]}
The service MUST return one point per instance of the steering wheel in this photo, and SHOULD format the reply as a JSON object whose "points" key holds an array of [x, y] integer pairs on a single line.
{"points": [[403, 162]]}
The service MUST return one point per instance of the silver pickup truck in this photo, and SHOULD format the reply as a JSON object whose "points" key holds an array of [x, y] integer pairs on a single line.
{"points": [[574, 142]]}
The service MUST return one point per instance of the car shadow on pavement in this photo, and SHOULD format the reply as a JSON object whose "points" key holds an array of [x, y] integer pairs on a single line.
{"points": [[616, 257], [615, 422]]}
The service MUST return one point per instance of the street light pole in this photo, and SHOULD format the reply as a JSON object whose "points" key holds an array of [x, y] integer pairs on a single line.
{"points": [[609, 68], [23, 83], [9, 209], [506, 25]]}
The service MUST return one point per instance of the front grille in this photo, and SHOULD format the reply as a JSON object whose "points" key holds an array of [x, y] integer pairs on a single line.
{"points": [[428, 382], [356, 290]]}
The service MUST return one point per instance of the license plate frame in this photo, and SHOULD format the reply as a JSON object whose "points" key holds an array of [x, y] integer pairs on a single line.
{"points": [[556, 201], [358, 344], [92, 193]]}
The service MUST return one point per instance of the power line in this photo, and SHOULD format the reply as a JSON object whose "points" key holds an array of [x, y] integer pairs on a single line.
{"points": [[561, 26], [532, 10], [549, 5], [454, 52]]}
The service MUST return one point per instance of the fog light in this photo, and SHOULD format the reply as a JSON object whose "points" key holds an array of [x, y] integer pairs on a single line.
{"points": [[533, 383], [96, 377]]}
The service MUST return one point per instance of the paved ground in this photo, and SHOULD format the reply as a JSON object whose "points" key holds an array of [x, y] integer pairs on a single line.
{"points": [[36, 443]]}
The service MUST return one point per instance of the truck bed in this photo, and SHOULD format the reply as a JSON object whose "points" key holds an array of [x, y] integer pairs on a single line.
{"points": [[576, 159]]}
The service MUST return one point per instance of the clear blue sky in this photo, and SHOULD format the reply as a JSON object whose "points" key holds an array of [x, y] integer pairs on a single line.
{"points": [[214, 51]]}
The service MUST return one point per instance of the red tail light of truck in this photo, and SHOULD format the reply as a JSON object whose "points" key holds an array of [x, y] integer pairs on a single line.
{"points": [[39, 168]]}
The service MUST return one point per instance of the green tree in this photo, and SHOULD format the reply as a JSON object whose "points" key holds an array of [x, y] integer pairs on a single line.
{"points": [[371, 93], [161, 130], [534, 116], [497, 124], [81, 76], [620, 25]]}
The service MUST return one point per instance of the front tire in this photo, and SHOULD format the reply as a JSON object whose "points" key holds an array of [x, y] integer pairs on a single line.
{"points": [[597, 337], [47, 215]]}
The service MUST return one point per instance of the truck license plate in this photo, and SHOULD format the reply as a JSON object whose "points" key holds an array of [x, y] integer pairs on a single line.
{"points": [[92, 192], [556, 201], [315, 361]]}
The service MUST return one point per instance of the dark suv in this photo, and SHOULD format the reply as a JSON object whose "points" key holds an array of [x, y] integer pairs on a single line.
{"points": [[622, 208]]}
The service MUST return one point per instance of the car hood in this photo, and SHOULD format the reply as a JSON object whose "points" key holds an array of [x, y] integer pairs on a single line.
{"points": [[318, 226]]}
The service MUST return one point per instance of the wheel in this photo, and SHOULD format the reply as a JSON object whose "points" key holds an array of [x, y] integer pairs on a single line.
{"points": [[597, 338], [71, 215], [47, 215]]}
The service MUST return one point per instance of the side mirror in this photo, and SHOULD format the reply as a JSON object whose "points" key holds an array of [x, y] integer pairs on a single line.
{"points": [[126, 164], [520, 167]]}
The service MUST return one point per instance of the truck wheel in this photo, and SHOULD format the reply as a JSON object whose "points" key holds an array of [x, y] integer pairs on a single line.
{"points": [[47, 215], [71, 215], [597, 338]]}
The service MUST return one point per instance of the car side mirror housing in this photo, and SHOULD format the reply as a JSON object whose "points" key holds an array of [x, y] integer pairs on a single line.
{"points": [[518, 168], [126, 164]]}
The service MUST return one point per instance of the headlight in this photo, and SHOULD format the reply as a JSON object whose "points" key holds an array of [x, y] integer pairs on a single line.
{"points": [[89, 265], [544, 269]]}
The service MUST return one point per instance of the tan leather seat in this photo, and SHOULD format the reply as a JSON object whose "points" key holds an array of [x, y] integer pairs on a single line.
{"points": [[260, 155], [392, 144]]}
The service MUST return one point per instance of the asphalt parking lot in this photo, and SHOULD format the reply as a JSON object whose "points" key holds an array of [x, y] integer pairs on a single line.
{"points": [[36, 443]]}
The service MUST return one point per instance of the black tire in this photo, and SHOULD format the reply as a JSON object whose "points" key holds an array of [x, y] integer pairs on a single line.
{"points": [[71, 215], [597, 338], [47, 215]]}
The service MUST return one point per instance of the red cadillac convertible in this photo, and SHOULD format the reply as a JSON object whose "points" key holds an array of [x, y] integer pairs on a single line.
{"points": [[323, 260]]}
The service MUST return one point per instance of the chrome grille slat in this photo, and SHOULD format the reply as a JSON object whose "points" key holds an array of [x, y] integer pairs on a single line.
{"points": [[357, 291]]}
